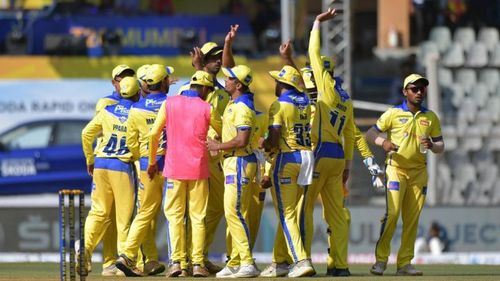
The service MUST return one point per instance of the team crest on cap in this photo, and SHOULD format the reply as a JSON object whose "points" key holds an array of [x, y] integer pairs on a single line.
{"points": [[247, 79], [282, 73]]}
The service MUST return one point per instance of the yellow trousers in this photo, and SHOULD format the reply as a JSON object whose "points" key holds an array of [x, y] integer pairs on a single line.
{"points": [[253, 218], [405, 194], [109, 247], [327, 181], [114, 188], [142, 231], [287, 195], [239, 172], [186, 198], [215, 208]]}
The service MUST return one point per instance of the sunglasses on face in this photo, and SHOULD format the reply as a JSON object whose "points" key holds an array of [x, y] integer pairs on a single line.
{"points": [[415, 89]]}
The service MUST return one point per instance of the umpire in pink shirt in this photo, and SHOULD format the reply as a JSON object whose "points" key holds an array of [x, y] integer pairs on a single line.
{"points": [[186, 120]]}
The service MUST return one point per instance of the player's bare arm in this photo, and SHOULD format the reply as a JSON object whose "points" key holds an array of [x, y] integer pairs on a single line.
{"points": [[373, 136], [241, 140], [227, 54]]}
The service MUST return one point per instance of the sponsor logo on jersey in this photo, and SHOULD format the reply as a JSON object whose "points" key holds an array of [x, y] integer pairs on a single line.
{"points": [[153, 103], [403, 120], [169, 184], [287, 180], [424, 122]]}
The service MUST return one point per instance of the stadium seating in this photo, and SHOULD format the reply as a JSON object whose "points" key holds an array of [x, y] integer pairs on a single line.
{"points": [[469, 80]]}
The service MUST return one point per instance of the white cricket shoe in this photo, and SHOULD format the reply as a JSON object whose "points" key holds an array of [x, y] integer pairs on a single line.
{"points": [[227, 272], [409, 270], [378, 268], [275, 270], [302, 268], [247, 271]]}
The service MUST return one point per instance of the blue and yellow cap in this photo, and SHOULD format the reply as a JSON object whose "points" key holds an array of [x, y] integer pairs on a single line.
{"points": [[241, 72], [288, 75]]}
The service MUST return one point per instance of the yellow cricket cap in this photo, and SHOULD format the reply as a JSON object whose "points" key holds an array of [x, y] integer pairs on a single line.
{"points": [[307, 76], [119, 69], [241, 72], [202, 78], [412, 78], [141, 71], [328, 63], [288, 75], [211, 49], [129, 86], [155, 73]]}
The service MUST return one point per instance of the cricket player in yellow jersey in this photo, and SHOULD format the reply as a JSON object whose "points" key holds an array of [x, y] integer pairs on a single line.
{"points": [[359, 142], [412, 130], [332, 137], [289, 132], [239, 166], [209, 59], [140, 121], [111, 169], [186, 119], [109, 250]]}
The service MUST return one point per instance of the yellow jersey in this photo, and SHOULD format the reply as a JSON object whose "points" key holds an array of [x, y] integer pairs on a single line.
{"points": [[111, 123], [261, 121], [141, 118], [405, 130], [114, 98], [292, 114], [333, 121], [361, 144], [239, 115]]}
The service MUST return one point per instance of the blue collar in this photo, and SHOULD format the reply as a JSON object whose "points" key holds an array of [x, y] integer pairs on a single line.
{"points": [[294, 97], [404, 107], [247, 99], [190, 93], [338, 87], [126, 102]]}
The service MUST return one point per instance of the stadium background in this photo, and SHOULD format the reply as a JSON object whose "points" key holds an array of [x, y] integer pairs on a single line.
{"points": [[62, 55]]}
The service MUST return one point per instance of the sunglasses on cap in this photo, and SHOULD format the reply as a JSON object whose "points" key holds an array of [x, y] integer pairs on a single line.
{"points": [[415, 89]]}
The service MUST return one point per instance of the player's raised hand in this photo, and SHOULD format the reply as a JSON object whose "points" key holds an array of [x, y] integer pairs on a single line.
{"points": [[286, 50], [328, 15], [232, 33], [197, 58]]}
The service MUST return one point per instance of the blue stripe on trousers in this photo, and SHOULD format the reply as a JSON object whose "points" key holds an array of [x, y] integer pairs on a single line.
{"points": [[239, 167], [280, 208]]}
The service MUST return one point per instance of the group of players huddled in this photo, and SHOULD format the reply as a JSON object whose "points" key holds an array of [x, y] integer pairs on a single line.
{"points": [[207, 152]]}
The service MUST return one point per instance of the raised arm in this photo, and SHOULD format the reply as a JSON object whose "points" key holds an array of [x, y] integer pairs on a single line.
{"points": [[286, 55], [227, 54], [319, 72]]}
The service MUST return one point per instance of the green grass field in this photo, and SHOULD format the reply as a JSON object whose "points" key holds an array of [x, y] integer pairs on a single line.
{"points": [[50, 271]]}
